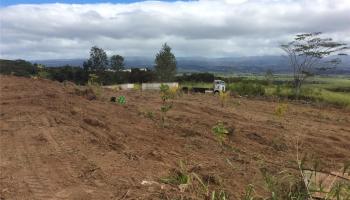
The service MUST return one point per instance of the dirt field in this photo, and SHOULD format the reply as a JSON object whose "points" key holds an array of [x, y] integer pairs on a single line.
{"points": [[56, 144]]}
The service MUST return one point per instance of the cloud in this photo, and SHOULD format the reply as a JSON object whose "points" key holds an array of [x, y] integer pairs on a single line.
{"points": [[193, 28]]}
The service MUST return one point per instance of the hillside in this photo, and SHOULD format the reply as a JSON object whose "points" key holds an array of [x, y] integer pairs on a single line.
{"points": [[249, 64], [57, 144]]}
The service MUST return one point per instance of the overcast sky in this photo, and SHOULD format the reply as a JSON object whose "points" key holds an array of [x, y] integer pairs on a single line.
{"points": [[210, 28]]}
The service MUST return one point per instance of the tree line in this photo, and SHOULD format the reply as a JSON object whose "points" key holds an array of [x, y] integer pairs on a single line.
{"points": [[306, 53], [164, 70], [109, 70]]}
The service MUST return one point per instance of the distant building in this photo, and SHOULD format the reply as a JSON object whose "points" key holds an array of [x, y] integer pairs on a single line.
{"points": [[110, 70], [126, 70], [129, 69], [144, 69]]}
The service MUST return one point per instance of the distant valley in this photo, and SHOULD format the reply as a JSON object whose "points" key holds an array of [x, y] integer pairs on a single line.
{"points": [[249, 64]]}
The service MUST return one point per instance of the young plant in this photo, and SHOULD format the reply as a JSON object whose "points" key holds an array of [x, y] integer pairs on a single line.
{"points": [[121, 100], [93, 80], [220, 131], [166, 95], [223, 97], [94, 85], [137, 87], [281, 110]]}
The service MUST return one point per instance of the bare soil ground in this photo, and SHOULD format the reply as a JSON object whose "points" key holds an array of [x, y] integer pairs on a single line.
{"points": [[57, 144]]}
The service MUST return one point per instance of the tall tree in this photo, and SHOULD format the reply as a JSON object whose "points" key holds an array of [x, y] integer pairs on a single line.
{"points": [[165, 64], [98, 61], [309, 53], [117, 62]]}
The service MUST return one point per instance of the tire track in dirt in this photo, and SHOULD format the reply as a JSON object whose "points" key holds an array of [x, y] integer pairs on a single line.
{"points": [[34, 179], [63, 151], [37, 173], [70, 160]]}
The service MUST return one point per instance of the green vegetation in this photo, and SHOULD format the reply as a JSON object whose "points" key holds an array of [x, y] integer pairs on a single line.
{"points": [[165, 67], [98, 61], [178, 177], [318, 89], [220, 131], [18, 68], [306, 55], [166, 94], [286, 185], [117, 62], [306, 182], [121, 100], [247, 89], [334, 90]]}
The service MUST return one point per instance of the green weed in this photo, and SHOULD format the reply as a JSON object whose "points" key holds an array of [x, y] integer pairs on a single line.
{"points": [[193, 183], [220, 131], [249, 193]]}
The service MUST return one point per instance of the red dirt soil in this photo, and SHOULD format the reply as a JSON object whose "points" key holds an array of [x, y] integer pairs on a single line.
{"points": [[57, 144]]}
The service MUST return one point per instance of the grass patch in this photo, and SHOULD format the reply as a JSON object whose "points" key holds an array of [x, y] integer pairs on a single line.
{"points": [[334, 90]]}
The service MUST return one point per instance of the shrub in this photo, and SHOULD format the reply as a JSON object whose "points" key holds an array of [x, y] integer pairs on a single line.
{"points": [[278, 91], [18, 68], [43, 74], [248, 89]]}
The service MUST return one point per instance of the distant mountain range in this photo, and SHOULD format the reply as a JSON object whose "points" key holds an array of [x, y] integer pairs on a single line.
{"points": [[249, 64]]}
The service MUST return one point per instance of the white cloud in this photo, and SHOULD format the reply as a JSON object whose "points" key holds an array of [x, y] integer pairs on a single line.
{"points": [[196, 28]]}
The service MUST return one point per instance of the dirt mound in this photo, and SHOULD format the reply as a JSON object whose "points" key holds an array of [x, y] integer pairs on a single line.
{"points": [[57, 143]]}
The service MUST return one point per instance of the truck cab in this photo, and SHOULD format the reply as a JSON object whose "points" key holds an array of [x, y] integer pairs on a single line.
{"points": [[219, 86]]}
